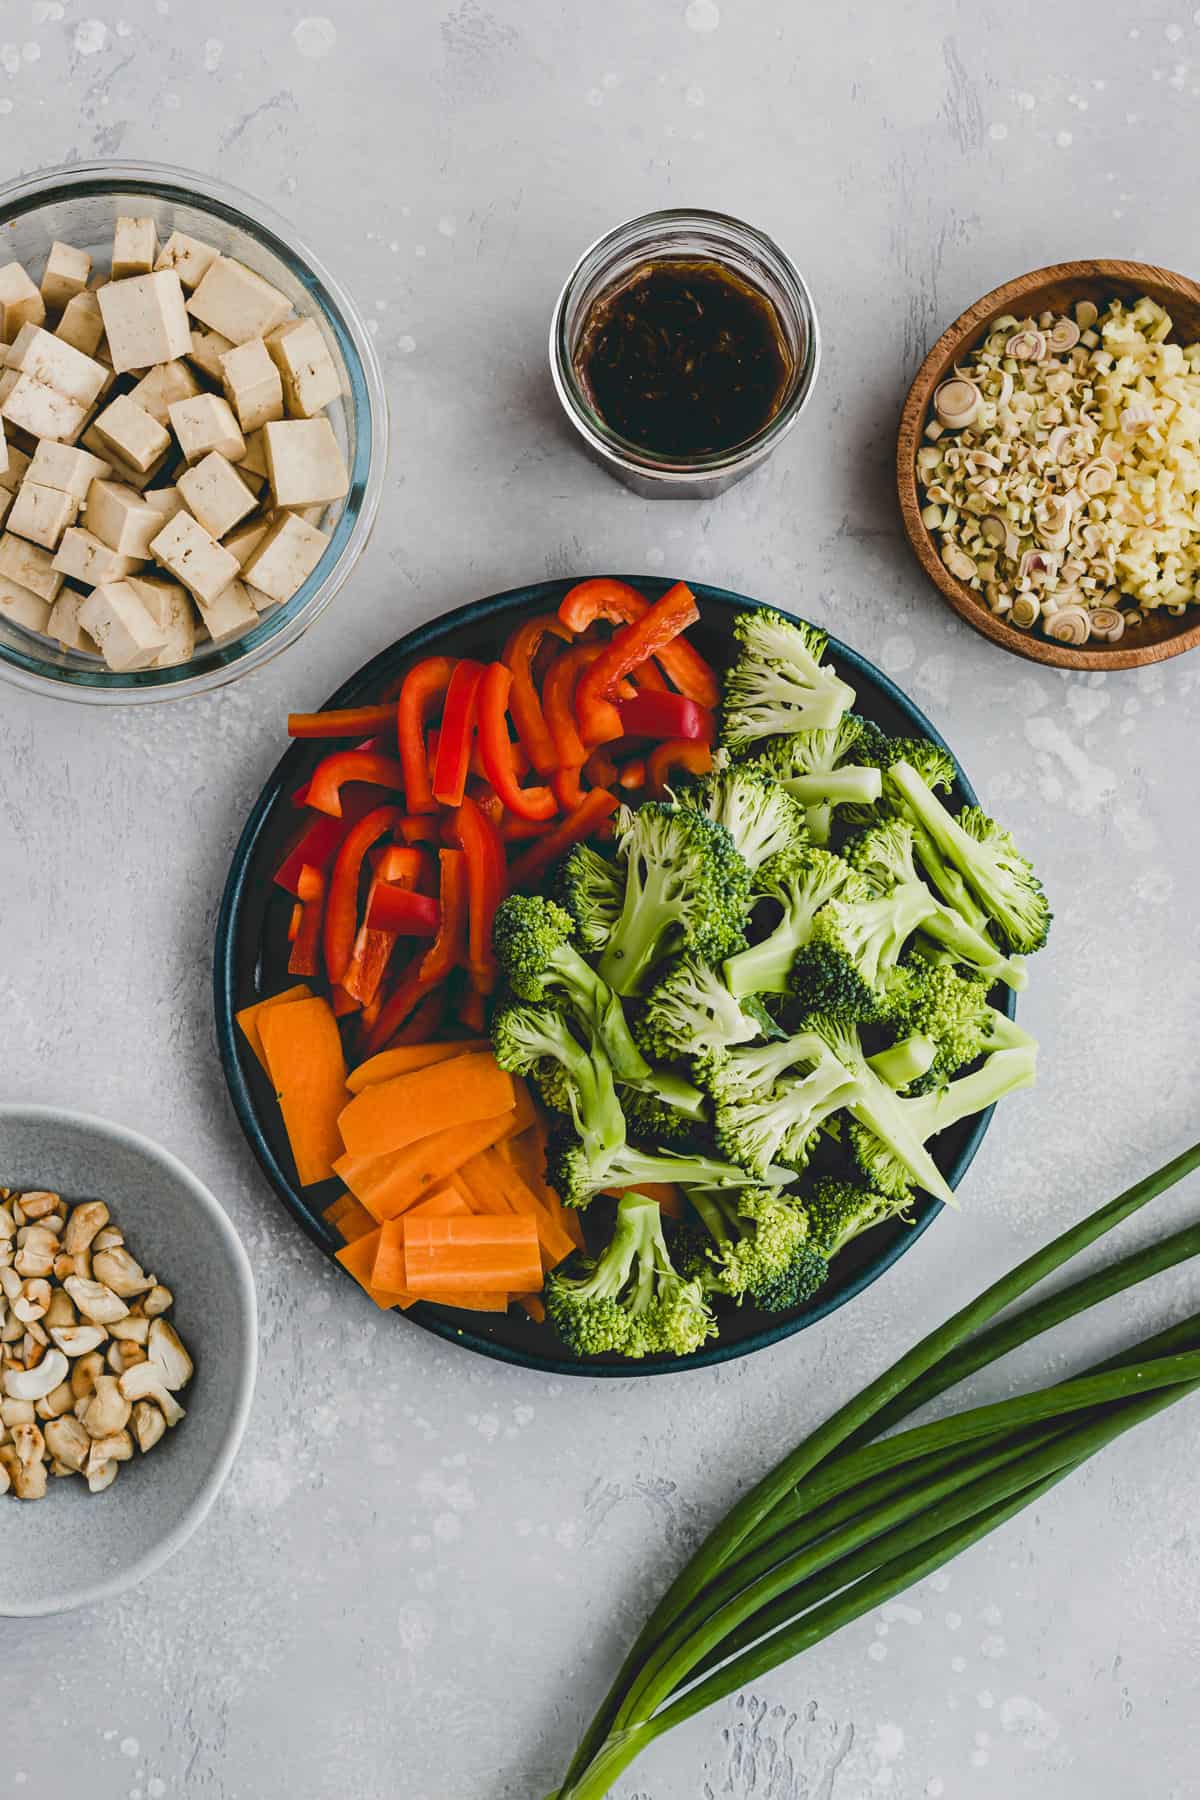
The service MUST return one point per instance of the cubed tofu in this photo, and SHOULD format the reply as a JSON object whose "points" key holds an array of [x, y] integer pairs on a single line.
{"points": [[23, 607], [304, 462], [235, 301], [64, 625], [207, 349], [145, 320], [243, 542], [40, 410], [59, 365], [310, 378], [254, 462], [159, 390], [124, 471], [285, 557], [206, 423], [84, 558], [41, 514], [194, 557], [81, 324], [66, 274], [16, 468], [29, 566], [6, 500], [232, 611], [67, 468], [169, 607], [120, 518], [216, 494], [135, 246], [252, 384], [190, 258], [21, 302], [166, 501], [133, 433], [120, 623]]}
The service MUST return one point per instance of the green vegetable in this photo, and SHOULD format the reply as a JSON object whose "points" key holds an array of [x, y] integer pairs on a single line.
{"points": [[754, 807], [630, 1299], [754, 1244], [779, 683], [538, 1042], [820, 769], [852, 949], [591, 889], [690, 1012], [800, 884], [577, 1170], [1002, 1073]]}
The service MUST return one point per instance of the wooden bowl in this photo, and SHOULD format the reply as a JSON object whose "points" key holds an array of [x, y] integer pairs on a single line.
{"points": [[1055, 289]]}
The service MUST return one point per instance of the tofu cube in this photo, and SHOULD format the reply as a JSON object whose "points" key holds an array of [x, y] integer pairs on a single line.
{"points": [[16, 468], [165, 384], [169, 607], [254, 462], [66, 274], [166, 501], [129, 429], [41, 514], [59, 365], [244, 542], [64, 625], [232, 611], [252, 384], [70, 470], [81, 324], [6, 500], [120, 518], [233, 300], [145, 320], [40, 410], [304, 462], [207, 349], [310, 378], [285, 557], [29, 566], [118, 620], [135, 246], [194, 557], [124, 471], [21, 302], [216, 494], [206, 423], [22, 606], [84, 558], [188, 256]]}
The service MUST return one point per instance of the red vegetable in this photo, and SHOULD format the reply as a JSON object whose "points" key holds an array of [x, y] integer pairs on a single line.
{"points": [[676, 753], [606, 598], [524, 704], [349, 722], [457, 733], [447, 952], [633, 774], [645, 636], [494, 744], [401, 913], [483, 848], [665, 715], [305, 958], [322, 837], [341, 912], [559, 692], [591, 813], [425, 830], [425, 683], [324, 790]]}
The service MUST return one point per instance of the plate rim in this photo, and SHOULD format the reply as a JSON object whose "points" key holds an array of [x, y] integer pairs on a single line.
{"points": [[537, 596]]}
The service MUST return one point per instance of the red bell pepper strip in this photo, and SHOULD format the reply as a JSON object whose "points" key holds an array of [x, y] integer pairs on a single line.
{"points": [[487, 883], [322, 837], [676, 753], [447, 952], [373, 947], [343, 1002], [648, 680], [305, 958], [606, 598], [425, 830], [341, 912], [523, 831], [496, 748], [350, 721], [471, 1010], [457, 733], [524, 704], [633, 774], [569, 791], [665, 716], [594, 809], [559, 689], [370, 766], [423, 1024], [601, 768], [424, 684], [670, 615], [395, 911]]}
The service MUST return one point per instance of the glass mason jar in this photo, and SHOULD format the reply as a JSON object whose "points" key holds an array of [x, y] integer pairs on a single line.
{"points": [[713, 237]]}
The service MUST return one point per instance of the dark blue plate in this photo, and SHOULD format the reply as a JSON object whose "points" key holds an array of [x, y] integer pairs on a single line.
{"points": [[251, 962]]}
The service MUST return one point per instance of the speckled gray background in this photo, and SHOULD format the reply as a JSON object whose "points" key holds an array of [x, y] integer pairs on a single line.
{"points": [[424, 1564]]}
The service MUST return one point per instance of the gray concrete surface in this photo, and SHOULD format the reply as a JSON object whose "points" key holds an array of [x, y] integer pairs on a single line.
{"points": [[424, 1565]]}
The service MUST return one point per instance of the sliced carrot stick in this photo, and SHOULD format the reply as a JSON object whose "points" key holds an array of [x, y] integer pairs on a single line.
{"points": [[445, 1256], [248, 1017], [303, 1048], [405, 1058], [669, 1197], [392, 1114], [497, 1303], [531, 1304], [349, 1217], [388, 1271], [527, 1152], [358, 1259], [389, 1185], [496, 1187]]}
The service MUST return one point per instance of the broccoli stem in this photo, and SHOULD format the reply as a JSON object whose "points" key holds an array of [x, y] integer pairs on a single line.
{"points": [[906, 1061], [1004, 1072], [764, 968], [849, 785], [947, 927], [635, 944]]}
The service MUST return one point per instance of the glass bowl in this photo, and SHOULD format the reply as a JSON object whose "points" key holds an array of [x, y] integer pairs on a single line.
{"points": [[80, 205], [712, 237]]}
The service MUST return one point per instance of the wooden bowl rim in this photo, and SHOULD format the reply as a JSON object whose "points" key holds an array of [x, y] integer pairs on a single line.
{"points": [[912, 420]]}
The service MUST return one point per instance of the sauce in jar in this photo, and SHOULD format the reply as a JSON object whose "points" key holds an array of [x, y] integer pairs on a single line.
{"points": [[684, 357]]}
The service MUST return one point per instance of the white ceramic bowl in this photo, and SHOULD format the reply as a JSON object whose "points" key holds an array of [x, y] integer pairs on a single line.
{"points": [[75, 1547]]}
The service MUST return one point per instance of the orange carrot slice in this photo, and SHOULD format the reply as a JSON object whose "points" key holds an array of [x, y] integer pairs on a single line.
{"points": [[389, 1185], [349, 1217], [303, 1048], [448, 1256], [249, 1015], [388, 1272], [405, 1058], [393, 1114]]}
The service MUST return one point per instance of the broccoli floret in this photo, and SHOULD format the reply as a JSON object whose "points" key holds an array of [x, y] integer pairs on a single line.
{"points": [[779, 684], [591, 889], [532, 938], [749, 1071], [984, 855], [755, 1246], [748, 799], [821, 770], [531, 1041], [839, 1211], [1004, 1072], [651, 1116], [690, 1012], [948, 1010], [905, 1064], [852, 949], [782, 1123], [577, 1172], [631, 1299], [801, 885], [885, 855], [686, 889]]}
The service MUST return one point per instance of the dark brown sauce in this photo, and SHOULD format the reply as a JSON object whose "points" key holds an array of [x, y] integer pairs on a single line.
{"points": [[684, 358]]}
